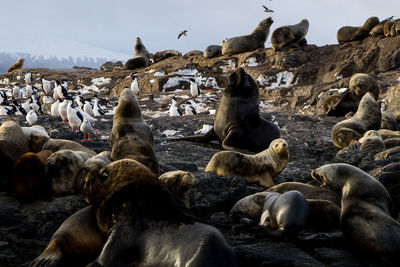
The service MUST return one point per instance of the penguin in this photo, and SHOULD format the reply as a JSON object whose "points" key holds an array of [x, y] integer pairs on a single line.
{"points": [[173, 110], [135, 85], [75, 117], [28, 78], [194, 88], [87, 107], [31, 117], [189, 109], [62, 110], [46, 85], [97, 111], [54, 108]]}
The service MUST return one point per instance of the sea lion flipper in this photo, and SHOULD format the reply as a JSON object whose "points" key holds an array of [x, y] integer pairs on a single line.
{"points": [[233, 137], [50, 257]]}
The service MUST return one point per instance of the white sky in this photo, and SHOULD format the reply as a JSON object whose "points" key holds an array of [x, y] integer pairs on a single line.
{"points": [[114, 25]]}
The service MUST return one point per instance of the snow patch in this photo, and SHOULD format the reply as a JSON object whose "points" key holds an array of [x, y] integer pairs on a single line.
{"points": [[172, 82], [229, 65], [281, 79], [251, 62], [100, 81], [169, 132], [159, 73], [204, 129], [185, 72], [339, 90]]}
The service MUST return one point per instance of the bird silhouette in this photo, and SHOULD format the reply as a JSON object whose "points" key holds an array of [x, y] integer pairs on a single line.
{"points": [[182, 33], [266, 9]]}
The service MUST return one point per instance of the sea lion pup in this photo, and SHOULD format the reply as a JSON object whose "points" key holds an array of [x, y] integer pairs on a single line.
{"points": [[260, 168], [12, 145], [366, 205], [29, 181], [212, 51], [144, 222], [284, 214], [130, 136], [141, 57], [371, 141], [349, 34], [17, 65], [164, 54], [367, 117], [238, 124], [250, 42], [361, 83], [63, 169], [179, 183], [309, 191], [249, 206], [289, 35], [38, 142]]}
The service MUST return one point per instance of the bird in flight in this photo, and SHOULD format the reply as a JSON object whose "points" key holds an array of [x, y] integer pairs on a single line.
{"points": [[182, 33], [266, 9]]}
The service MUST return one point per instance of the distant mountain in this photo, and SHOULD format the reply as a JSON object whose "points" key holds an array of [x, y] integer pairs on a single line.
{"points": [[60, 53]]}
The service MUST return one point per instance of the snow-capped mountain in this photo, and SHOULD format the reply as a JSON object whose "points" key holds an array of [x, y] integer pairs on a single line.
{"points": [[54, 53]]}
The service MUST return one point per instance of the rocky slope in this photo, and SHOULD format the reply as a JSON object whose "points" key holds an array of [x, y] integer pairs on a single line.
{"points": [[291, 83]]}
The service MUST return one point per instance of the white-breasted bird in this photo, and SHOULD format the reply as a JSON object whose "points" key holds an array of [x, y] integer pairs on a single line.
{"points": [[28, 90], [54, 108], [87, 128], [31, 117], [189, 109], [62, 110], [28, 78], [16, 91], [194, 88], [61, 90], [27, 105], [35, 105], [87, 107], [97, 111], [79, 101], [46, 85], [173, 109], [75, 117], [135, 85]]}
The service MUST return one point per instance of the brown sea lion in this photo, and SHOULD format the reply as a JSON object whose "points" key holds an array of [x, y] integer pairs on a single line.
{"points": [[387, 27], [144, 222], [365, 218], [371, 141], [250, 42], [17, 65], [260, 168], [378, 29], [141, 57], [179, 183], [289, 35], [212, 51], [349, 34], [238, 124], [164, 54], [361, 83], [367, 117], [130, 136], [323, 214], [249, 206]]}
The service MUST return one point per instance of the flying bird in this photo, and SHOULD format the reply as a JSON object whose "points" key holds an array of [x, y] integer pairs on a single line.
{"points": [[266, 9], [182, 33]]}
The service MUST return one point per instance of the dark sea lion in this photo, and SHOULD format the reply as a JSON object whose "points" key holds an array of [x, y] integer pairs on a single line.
{"points": [[250, 42], [144, 222], [141, 57], [371, 142], [289, 35], [164, 54], [350, 33], [212, 51], [250, 206], [179, 183], [365, 218], [130, 136], [238, 124]]}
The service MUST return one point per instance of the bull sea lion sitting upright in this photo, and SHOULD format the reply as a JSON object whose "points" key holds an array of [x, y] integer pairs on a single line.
{"points": [[250, 42], [238, 124], [289, 36], [17, 65], [130, 136], [141, 57], [349, 33]]}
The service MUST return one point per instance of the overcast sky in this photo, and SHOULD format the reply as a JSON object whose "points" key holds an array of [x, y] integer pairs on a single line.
{"points": [[115, 24]]}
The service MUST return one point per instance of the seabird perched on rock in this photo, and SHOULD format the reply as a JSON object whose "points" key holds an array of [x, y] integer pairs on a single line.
{"points": [[28, 78], [182, 33], [54, 108], [86, 128], [87, 107], [97, 111], [3, 99], [194, 88], [17, 109], [61, 90], [46, 85], [173, 109], [16, 91], [31, 117], [75, 117], [135, 85], [62, 110], [26, 105], [80, 101], [189, 109], [28, 90], [36, 105]]}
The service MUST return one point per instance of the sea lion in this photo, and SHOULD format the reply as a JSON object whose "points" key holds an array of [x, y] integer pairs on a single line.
{"points": [[361, 83], [386, 134], [77, 242], [193, 53], [365, 218], [387, 27], [394, 28], [13, 144], [38, 142], [349, 34], [391, 119], [250, 42], [367, 117], [371, 141], [238, 124], [392, 142], [130, 136], [164, 54], [260, 168], [141, 57], [17, 65], [212, 51], [34, 129], [179, 183], [250, 206], [64, 170], [289, 35], [340, 104], [309, 191], [284, 214], [144, 222], [29, 181], [323, 214], [378, 29]]}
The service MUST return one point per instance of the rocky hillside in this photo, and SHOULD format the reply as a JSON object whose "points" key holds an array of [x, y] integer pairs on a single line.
{"points": [[292, 84]]}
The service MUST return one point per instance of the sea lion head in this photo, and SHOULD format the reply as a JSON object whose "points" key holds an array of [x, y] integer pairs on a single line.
{"points": [[334, 175], [101, 183], [241, 84], [370, 23], [370, 134], [128, 106], [266, 23], [280, 147], [36, 141], [368, 107]]}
